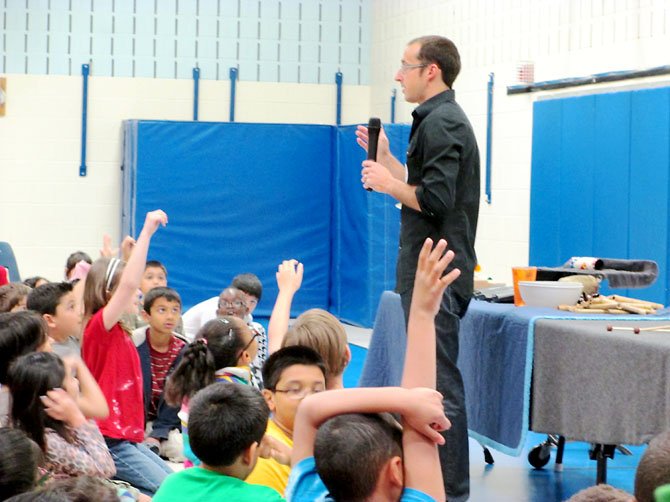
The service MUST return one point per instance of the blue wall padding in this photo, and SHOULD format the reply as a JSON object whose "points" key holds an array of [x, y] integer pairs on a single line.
{"points": [[240, 198], [244, 197], [600, 181], [365, 243]]}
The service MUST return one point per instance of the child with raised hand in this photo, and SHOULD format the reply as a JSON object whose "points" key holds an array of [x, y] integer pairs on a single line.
{"points": [[289, 374], [111, 289], [44, 406], [222, 351], [289, 279], [358, 457], [315, 328]]}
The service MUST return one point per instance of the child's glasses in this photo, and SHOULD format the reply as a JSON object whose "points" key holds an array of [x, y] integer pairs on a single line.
{"points": [[298, 392]]}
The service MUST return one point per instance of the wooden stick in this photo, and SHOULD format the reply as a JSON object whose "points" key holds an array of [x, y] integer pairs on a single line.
{"points": [[625, 299], [655, 328], [635, 310]]}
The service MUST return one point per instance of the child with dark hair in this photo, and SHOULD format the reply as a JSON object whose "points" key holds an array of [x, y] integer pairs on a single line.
{"points": [[20, 333], [72, 261], [233, 302], [111, 290], [58, 306], [290, 374], [19, 458], [35, 281], [13, 297], [160, 349], [360, 458], [252, 288], [222, 351], [56, 302], [44, 406], [154, 276], [227, 424]]}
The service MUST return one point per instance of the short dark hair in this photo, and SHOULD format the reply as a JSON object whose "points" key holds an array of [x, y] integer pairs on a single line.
{"points": [[46, 298], [289, 356], [31, 282], [442, 52], [19, 458], [75, 258], [248, 283], [350, 451], [155, 264], [224, 420], [654, 468], [20, 333], [160, 292]]}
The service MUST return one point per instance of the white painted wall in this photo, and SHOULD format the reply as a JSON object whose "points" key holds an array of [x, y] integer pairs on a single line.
{"points": [[48, 211], [566, 38]]}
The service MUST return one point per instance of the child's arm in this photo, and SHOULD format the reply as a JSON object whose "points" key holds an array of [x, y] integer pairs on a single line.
{"points": [[132, 273], [91, 400], [422, 407], [80, 272], [289, 279], [87, 454], [420, 457]]}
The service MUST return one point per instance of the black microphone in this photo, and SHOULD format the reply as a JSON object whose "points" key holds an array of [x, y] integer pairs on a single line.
{"points": [[374, 125]]}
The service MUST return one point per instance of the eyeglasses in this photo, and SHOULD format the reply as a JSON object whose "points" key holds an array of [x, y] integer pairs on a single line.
{"points": [[235, 303], [296, 393], [405, 67], [253, 337]]}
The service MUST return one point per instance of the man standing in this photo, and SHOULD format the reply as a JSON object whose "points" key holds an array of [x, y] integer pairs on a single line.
{"points": [[439, 192]]}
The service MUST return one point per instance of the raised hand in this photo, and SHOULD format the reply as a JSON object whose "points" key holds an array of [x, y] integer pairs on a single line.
{"points": [[107, 251], [429, 283], [127, 247], [153, 220], [289, 275]]}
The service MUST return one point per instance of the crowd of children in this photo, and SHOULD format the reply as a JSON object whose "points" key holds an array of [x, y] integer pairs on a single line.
{"points": [[101, 383]]}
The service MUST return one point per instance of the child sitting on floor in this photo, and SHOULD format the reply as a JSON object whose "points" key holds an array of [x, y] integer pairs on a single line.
{"points": [[44, 406], [20, 333], [222, 351], [314, 328], [290, 374], [227, 424], [160, 350], [359, 456], [111, 290]]}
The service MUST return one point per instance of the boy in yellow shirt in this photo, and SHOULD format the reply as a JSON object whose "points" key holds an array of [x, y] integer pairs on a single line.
{"points": [[289, 375]]}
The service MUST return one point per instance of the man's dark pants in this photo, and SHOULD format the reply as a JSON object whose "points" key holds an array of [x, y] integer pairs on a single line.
{"points": [[454, 455]]}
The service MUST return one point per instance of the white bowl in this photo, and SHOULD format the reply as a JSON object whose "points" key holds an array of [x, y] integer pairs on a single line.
{"points": [[549, 293]]}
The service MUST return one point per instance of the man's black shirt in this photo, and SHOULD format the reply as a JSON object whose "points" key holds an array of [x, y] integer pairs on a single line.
{"points": [[443, 163]]}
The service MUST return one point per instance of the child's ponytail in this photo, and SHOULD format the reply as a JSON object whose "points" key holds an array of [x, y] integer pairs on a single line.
{"points": [[194, 372]]}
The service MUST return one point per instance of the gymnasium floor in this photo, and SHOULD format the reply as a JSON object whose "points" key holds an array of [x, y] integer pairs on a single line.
{"points": [[512, 479]]}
